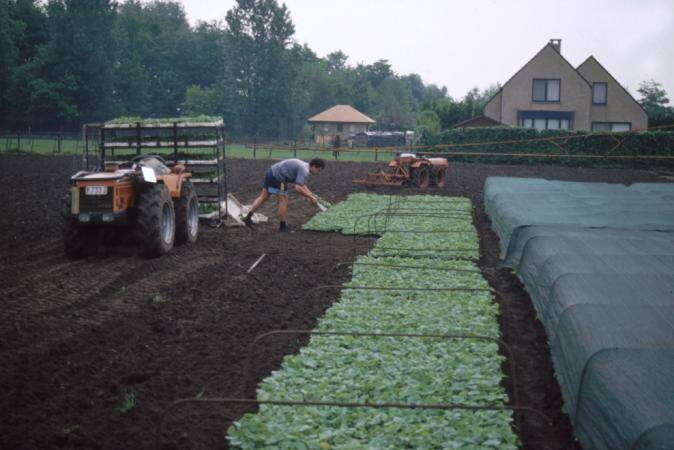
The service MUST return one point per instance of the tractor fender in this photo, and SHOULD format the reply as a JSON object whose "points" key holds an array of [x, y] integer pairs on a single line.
{"points": [[174, 182], [442, 162]]}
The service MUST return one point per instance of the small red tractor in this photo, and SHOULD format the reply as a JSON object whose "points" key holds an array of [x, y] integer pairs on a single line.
{"points": [[409, 170], [142, 198]]}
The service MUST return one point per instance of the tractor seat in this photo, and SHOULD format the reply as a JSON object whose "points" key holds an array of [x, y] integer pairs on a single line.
{"points": [[178, 169]]}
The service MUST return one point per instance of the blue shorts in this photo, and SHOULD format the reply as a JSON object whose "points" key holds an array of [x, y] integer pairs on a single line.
{"points": [[274, 186]]}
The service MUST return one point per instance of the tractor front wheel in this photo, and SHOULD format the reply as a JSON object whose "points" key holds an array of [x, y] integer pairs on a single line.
{"points": [[155, 220], [439, 176], [187, 214], [421, 177]]}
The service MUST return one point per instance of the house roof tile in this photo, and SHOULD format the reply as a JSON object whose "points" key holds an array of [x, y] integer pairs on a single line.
{"points": [[341, 114]]}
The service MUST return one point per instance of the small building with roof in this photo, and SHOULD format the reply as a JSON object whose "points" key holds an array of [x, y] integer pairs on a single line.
{"points": [[338, 123], [477, 122]]}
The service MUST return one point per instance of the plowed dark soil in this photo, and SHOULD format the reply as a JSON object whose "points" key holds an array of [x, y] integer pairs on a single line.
{"points": [[92, 351]]}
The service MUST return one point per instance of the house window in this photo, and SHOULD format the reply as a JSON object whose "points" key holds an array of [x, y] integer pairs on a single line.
{"points": [[340, 127], [545, 90], [546, 120], [352, 128], [599, 93], [553, 124], [614, 127]]}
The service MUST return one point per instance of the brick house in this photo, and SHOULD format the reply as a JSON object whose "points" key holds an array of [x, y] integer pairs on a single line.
{"points": [[549, 93]]}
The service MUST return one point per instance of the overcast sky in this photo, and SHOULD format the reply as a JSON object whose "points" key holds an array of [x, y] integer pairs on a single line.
{"points": [[462, 44]]}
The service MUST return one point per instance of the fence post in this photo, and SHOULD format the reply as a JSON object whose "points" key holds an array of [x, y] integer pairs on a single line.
{"points": [[295, 149], [86, 145], [59, 143], [18, 141], [254, 148], [175, 143], [138, 139], [376, 153]]}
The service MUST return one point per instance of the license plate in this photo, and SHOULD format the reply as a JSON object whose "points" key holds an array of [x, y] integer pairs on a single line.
{"points": [[96, 190]]}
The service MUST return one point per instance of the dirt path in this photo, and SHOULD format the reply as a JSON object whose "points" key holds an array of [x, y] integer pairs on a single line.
{"points": [[78, 338]]}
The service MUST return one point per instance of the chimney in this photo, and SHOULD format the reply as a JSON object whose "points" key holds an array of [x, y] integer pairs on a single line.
{"points": [[557, 45]]}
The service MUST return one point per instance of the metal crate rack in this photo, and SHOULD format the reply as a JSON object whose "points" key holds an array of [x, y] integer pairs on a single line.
{"points": [[200, 146]]}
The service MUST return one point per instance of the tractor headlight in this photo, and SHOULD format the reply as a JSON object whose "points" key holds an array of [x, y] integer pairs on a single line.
{"points": [[108, 217], [84, 217]]}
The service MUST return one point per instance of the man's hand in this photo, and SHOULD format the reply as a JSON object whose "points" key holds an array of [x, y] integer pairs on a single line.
{"points": [[305, 192]]}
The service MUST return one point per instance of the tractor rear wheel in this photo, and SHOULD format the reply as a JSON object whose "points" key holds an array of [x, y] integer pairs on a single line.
{"points": [[155, 220], [439, 176], [79, 241], [187, 214], [421, 177]]}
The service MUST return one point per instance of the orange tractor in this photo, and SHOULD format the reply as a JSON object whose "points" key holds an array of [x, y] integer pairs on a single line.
{"points": [[142, 198], [409, 170]]}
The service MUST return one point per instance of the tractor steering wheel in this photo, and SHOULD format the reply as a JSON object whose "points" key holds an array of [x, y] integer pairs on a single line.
{"points": [[139, 158]]}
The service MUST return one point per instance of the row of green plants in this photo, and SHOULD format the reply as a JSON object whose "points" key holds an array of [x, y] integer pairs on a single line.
{"points": [[547, 142], [371, 214], [133, 120], [392, 369]]}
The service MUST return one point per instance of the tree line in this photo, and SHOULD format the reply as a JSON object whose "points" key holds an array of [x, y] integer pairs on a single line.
{"points": [[68, 62]]}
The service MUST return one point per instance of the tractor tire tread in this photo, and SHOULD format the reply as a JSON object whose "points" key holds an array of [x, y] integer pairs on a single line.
{"points": [[181, 207], [151, 199]]}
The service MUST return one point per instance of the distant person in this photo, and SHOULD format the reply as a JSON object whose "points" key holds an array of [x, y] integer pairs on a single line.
{"points": [[336, 144], [277, 180]]}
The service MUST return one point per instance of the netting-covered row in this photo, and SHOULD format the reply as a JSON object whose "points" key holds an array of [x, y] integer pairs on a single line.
{"points": [[606, 299], [513, 203]]}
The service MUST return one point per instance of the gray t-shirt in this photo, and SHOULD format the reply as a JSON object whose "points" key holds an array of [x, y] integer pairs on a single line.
{"points": [[291, 171]]}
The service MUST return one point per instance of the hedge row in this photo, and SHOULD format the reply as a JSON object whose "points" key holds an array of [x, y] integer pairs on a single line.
{"points": [[603, 147]]}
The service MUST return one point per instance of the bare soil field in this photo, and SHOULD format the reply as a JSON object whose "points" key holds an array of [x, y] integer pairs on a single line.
{"points": [[94, 350]]}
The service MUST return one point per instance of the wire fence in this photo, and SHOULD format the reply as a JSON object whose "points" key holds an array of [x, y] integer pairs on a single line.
{"points": [[515, 151]]}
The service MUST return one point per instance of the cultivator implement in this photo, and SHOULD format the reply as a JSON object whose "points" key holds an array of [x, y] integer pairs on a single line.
{"points": [[408, 170]]}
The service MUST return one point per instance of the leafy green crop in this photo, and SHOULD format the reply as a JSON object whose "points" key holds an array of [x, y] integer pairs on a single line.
{"points": [[322, 201], [394, 369], [374, 214], [132, 120]]}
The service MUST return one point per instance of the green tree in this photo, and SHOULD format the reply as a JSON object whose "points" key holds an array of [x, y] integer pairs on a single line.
{"points": [[336, 62], [260, 32], [430, 121], [34, 28], [167, 54], [378, 72], [200, 101], [394, 106], [67, 79], [10, 29], [132, 92], [654, 100]]}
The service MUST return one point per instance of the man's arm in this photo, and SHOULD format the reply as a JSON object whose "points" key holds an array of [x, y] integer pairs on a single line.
{"points": [[305, 192]]}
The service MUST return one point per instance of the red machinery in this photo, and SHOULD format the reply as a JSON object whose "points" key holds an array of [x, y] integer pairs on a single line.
{"points": [[409, 170]]}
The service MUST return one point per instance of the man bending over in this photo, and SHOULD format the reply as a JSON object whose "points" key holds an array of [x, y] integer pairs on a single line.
{"points": [[277, 181]]}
